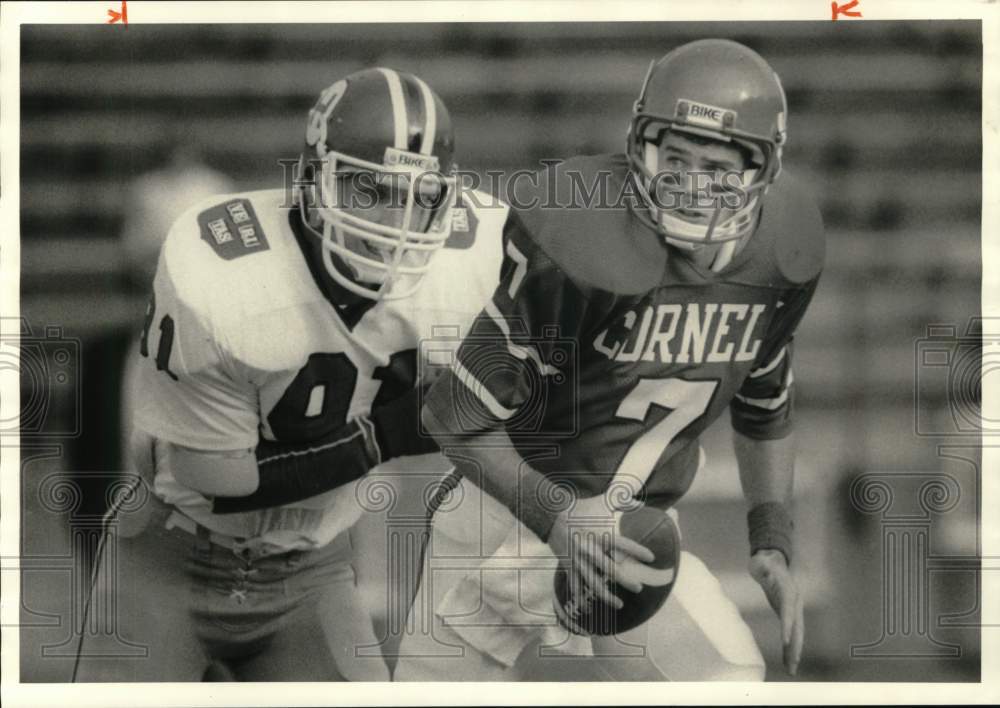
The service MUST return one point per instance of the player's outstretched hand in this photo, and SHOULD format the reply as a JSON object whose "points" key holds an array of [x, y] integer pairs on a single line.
{"points": [[585, 538], [770, 569]]}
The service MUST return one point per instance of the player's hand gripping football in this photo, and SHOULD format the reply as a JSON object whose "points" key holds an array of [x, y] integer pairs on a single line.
{"points": [[770, 569], [584, 538]]}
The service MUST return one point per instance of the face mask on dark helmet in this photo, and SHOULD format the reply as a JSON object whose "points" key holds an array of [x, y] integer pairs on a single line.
{"points": [[709, 90]]}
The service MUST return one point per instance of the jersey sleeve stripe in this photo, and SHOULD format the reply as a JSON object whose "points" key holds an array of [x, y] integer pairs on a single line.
{"points": [[521, 352], [763, 371], [310, 450], [478, 389], [770, 403]]}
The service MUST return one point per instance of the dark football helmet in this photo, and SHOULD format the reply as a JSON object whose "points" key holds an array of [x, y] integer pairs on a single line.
{"points": [[719, 90], [390, 128]]}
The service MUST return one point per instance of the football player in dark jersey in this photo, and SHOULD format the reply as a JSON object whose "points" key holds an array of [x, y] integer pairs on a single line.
{"points": [[618, 334]]}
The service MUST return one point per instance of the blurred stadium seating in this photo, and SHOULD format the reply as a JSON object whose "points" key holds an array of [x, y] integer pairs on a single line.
{"points": [[884, 122]]}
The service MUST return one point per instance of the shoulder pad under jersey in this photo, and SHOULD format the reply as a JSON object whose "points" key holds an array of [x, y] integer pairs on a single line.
{"points": [[577, 214], [791, 230], [232, 256]]}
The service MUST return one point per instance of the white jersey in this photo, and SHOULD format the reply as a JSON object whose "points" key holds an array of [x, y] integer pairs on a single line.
{"points": [[240, 343]]}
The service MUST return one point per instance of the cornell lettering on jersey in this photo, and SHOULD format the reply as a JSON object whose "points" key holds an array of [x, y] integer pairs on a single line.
{"points": [[697, 333]]}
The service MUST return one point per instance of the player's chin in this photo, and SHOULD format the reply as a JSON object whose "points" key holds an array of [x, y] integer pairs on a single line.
{"points": [[374, 252], [368, 275]]}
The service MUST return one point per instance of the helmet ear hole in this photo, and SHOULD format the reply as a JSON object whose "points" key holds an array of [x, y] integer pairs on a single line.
{"points": [[753, 156], [304, 180]]}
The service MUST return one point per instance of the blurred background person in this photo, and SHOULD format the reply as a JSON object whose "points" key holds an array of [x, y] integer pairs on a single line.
{"points": [[155, 198], [152, 202]]}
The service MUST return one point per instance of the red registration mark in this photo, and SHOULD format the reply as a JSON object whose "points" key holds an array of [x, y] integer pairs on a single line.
{"points": [[845, 10], [119, 16]]}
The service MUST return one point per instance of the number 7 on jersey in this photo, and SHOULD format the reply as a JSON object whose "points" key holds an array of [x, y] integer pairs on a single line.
{"points": [[688, 399]]}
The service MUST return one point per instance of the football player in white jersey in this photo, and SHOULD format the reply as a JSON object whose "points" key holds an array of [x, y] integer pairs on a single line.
{"points": [[278, 365]]}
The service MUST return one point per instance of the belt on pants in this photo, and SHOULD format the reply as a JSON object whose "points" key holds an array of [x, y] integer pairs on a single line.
{"points": [[186, 523]]}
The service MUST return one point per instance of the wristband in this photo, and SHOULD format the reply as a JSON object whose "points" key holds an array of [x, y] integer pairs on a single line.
{"points": [[771, 527]]}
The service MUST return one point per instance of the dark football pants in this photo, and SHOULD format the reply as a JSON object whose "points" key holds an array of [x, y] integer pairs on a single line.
{"points": [[167, 603]]}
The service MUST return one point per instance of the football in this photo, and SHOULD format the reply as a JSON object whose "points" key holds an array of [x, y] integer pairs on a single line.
{"points": [[654, 529]]}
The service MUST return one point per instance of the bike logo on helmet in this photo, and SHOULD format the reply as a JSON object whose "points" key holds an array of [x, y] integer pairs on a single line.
{"points": [[704, 114]]}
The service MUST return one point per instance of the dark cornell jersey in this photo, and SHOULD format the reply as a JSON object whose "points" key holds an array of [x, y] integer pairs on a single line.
{"points": [[604, 352]]}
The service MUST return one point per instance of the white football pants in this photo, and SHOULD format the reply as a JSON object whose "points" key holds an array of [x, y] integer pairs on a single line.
{"points": [[482, 612]]}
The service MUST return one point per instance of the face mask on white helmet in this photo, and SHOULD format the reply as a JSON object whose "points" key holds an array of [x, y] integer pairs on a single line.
{"points": [[385, 262]]}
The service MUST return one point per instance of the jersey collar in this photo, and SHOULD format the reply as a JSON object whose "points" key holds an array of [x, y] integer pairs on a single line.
{"points": [[350, 307]]}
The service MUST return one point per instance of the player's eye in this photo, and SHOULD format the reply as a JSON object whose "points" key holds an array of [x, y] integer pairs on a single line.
{"points": [[389, 194], [719, 168], [431, 193], [672, 171], [670, 179], [673, 163]]}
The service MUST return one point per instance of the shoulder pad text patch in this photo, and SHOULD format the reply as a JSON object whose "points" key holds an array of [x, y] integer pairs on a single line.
{"points": [[232, 229]]}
